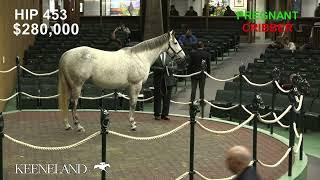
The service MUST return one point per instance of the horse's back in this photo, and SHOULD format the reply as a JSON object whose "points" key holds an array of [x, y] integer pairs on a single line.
{"points": [[107, 69]]}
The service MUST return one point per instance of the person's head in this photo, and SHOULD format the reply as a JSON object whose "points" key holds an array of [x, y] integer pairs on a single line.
{"points": [[200, 45], [228, 8], [191, 8], [237, 159], [172, 7], [122, 25], [189, 33], [286, 40]]}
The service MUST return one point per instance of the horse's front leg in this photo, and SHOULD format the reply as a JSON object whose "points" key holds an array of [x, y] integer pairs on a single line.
{"points": [[134, 91], [133, 102]]}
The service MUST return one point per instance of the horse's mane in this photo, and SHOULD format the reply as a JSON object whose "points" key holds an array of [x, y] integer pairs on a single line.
{"points": [[151, 43]]}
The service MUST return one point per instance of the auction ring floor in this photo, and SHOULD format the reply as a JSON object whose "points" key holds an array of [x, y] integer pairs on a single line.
{"points": [[162, 159]]}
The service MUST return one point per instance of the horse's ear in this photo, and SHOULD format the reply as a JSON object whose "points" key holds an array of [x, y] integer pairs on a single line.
{"points": [[172, 34]]}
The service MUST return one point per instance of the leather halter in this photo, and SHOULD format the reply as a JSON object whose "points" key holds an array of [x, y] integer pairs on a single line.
{"points": [[175, 53]]}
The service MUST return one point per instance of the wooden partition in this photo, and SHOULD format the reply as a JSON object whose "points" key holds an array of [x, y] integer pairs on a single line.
{"points": [[11, 45], [207, 23]]}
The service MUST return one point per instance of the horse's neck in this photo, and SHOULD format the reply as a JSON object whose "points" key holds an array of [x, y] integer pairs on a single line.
{"points": [[150, 56]]}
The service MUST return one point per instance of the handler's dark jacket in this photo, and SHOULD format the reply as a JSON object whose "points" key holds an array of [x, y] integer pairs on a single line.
{"points": [[248, 174], [163, 71], [196, 57]]}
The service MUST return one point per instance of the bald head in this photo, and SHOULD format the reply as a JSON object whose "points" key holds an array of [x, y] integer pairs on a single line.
{"points": [[237, 158]]}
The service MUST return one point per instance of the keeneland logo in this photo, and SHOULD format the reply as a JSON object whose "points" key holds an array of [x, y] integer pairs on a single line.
{"points": [[102, 166], [50, 169]]}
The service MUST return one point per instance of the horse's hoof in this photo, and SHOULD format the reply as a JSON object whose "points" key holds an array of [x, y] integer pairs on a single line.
{"points": [[81, 129], [68, 128], [133, 127]]}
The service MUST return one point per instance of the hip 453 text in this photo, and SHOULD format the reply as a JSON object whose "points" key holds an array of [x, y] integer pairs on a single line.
{"points": [[29, 14]]}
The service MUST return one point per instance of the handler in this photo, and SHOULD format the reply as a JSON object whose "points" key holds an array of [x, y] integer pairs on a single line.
{"points": [[163, 81]]}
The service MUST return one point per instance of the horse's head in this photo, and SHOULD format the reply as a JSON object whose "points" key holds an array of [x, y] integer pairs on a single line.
{"points": [[174, 49]]}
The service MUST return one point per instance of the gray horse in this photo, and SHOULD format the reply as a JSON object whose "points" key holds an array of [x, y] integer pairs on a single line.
{"points": [[125, 68]]}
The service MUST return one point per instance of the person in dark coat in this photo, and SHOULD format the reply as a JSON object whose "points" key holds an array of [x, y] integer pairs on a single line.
{"points": [[317, 11], [238, 159], [229, 12], [191, 12], [199, 58], [173, 11], [163, 81]]}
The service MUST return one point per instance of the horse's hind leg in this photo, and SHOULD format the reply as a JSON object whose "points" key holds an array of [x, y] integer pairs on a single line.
{"points": [[134, 91], [74, 102]]}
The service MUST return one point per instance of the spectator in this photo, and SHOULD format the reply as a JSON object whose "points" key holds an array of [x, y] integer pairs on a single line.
{"points": [[317, 11], [173, 11], [276, 45], [188, 39], [229, 12], [199, 58], [114, 43], [212, 10], [126, 31], [237, 161], [191, 12], [288, 45], [163, 81]]}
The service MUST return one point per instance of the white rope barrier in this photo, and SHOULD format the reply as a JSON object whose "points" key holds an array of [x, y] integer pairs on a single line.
{"points": [[255, 84], [226, 131], [299, 144], [13, 68], [276, 119], [151, 137], [82, 97], [95, 98], [143, 100], [189, 75], [279, 122], [221, 80], [280, 88], [139, 100], [124, 96], [206, 178], [222, 108], [244, 108], [183, 175], [37, 74], [58, 148], [300, 104], [40, 97], [177, 102], [277, 163], [9, 98], [265, 115], [295, 130]]}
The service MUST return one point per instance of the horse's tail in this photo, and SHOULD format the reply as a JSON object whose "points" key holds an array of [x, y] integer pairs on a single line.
{"points": [[64, 92]]}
